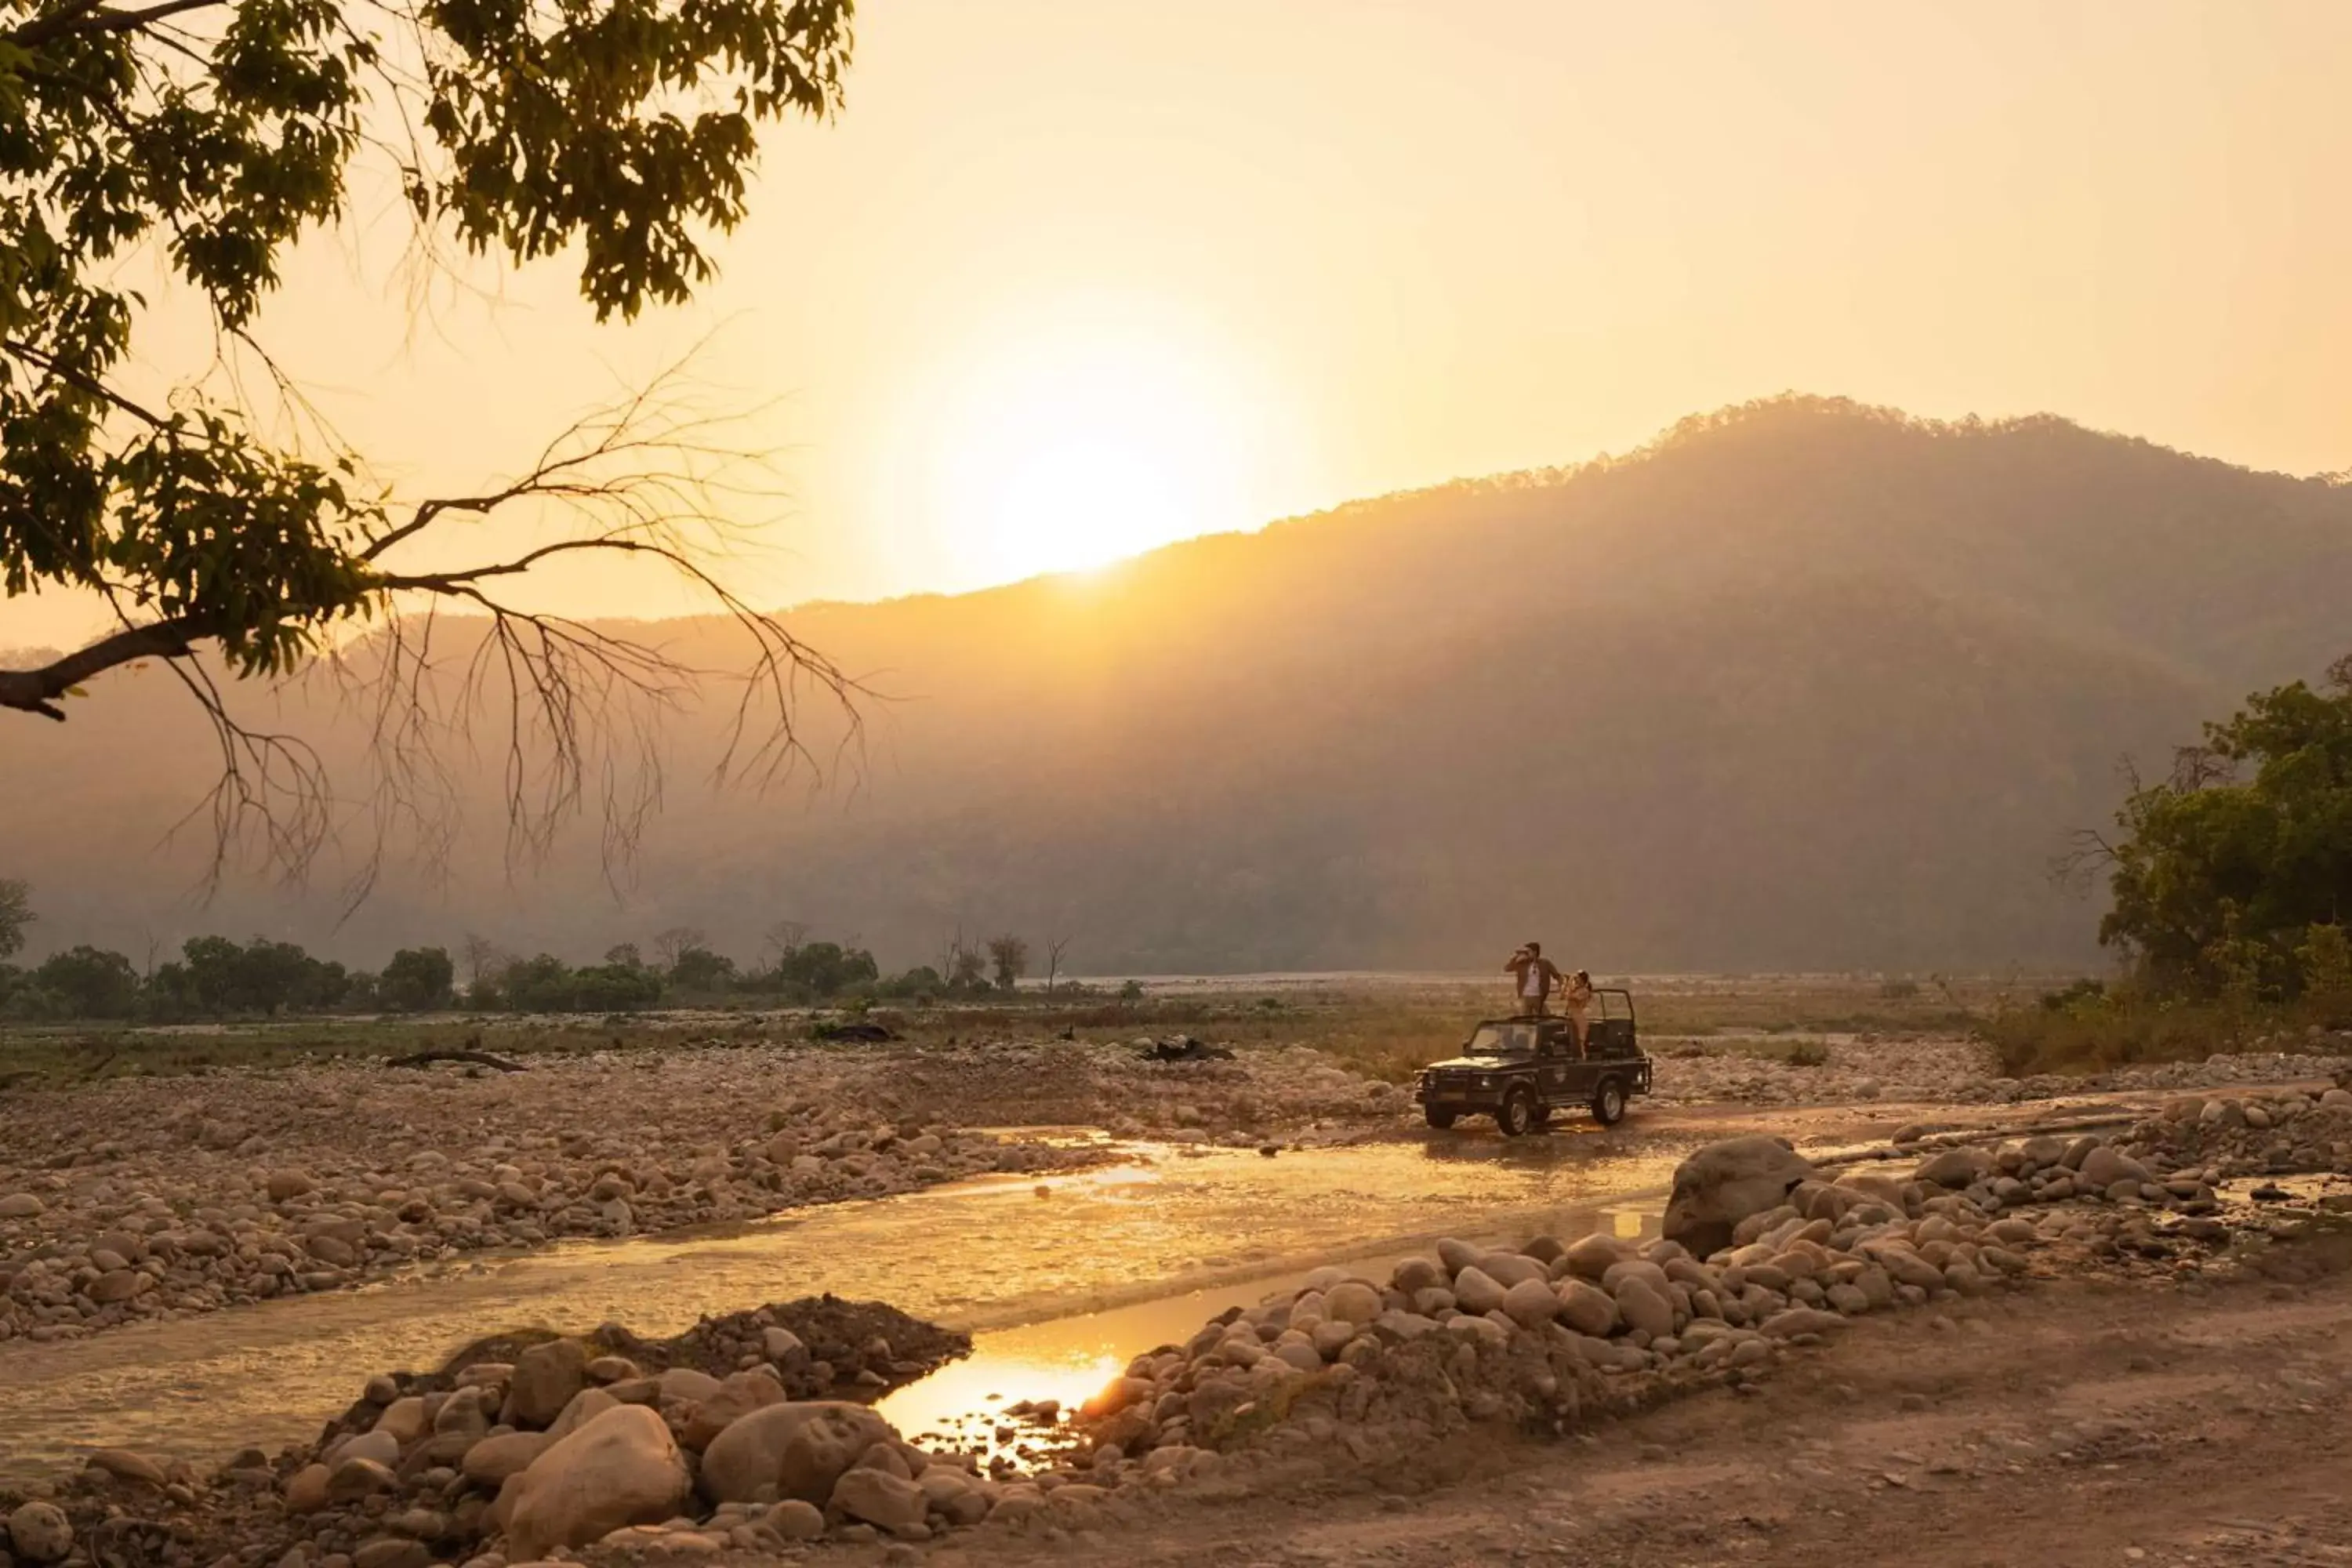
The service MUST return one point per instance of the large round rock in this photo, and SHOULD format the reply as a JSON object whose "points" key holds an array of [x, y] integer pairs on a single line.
{"points": [[40, 1533], [800, 1449], [1724, 1183], [622, 1468], [546, 1378]]}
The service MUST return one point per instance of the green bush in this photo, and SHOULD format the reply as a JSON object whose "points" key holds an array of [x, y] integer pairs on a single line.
{"points": [[417, 980], [615, 988], [90, 983], [2076, 994]]}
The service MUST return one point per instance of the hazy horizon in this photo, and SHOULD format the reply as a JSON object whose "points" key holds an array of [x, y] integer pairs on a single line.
{"points": [[1066, 283], [1840, 687]]}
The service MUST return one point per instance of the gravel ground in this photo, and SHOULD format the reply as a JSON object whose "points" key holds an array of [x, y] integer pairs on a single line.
{"points": [[139, 1197], [1941, 1069], [2091, 1320], [1850, 1069]]}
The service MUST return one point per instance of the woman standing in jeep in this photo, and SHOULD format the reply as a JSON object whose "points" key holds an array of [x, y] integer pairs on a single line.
{"points": [[1578, 997]]}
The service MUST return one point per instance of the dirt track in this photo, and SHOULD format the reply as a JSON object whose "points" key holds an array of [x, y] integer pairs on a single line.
{"points": [[2090, 1422]]}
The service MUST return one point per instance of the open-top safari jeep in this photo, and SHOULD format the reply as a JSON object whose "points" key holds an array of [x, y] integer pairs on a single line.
{"points": [[1520, 1071]]}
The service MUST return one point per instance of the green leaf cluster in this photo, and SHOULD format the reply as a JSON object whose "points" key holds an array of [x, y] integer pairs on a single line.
{"points": [[2234, 877], [217, 133]]}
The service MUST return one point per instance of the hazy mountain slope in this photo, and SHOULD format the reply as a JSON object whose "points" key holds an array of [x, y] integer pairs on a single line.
{"points": [[1801, 685]]}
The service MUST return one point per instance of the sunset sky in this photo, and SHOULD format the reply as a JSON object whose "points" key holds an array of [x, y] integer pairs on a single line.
{"points": [[1068, 280]]}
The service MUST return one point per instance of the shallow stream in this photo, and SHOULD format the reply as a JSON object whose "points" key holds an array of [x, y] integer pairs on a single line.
{"points": [[1060, 1281]]}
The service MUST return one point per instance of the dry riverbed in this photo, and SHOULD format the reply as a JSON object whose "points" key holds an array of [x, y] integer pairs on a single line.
{"points": [[170, 1197], [145, 1198], [2084, 1311], [148, 1197]]}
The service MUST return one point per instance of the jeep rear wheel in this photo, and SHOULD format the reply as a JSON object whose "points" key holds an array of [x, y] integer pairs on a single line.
{"points": [[1608, 1102], [1518, 1116], [1438, 1117]]}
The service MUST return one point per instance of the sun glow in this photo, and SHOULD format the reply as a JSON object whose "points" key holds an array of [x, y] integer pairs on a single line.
{"points": [[1103, 432]]}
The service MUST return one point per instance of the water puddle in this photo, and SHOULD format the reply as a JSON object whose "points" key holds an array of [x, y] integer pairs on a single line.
{"points": [[1040, 1270], [985, 1403], [2307, 1193]]}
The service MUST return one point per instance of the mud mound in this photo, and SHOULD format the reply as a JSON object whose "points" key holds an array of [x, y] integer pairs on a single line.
{"points": [[856, 1349]]}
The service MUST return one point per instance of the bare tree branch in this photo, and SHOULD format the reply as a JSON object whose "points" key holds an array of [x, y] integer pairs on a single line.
{"points": [[2076, 868], [37, 690], [575, 709]]}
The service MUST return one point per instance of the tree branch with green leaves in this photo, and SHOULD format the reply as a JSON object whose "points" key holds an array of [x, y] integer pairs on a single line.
{"points": [[215, 135]]}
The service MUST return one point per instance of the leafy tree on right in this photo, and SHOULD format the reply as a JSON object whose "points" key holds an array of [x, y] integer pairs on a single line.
{"points": [[2234, 878]]}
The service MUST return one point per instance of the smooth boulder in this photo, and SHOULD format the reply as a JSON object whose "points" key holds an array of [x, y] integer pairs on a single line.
{"points": [[738, 1396], [796, 1450], [493, 1459], [1954, 1168], [1477, 1292], [880, 1498], [1645, 1307], [1532, 1303], [621, 1469], [546, 1378], [1725, 1182], [1587, 1308]]}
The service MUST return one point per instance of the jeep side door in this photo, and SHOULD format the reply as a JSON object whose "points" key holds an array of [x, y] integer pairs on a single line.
{"points": [[1555, 1066]]}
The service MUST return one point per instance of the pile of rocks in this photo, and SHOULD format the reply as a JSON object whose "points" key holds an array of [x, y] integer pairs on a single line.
{"points": [[1541, 1333], [218, 1199], [2274, 1135], [718, 1438], [1762, 1252], [2213, 1071]]}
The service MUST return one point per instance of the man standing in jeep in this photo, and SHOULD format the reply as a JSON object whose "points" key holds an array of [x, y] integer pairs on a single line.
{"points": [[1532, 977]]}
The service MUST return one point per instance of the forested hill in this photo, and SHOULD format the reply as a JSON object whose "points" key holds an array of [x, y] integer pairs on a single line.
{"points": [[1801, 685]]}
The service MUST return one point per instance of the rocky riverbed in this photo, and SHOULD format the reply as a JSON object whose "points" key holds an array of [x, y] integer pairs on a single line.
{"points": [[144, 1197], [721, 1440], [155, 1197], [1861, 1070]]}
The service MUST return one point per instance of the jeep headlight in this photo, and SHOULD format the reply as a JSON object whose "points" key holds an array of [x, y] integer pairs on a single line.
{"points": [[1485, 1080]]}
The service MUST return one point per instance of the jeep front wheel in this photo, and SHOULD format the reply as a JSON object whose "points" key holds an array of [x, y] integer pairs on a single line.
{"points": [[1518, 1116], [1438, 1117], [1608, 1102]]}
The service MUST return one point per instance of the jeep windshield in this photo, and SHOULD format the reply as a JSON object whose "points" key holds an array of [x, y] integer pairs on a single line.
{"points": [[1502, 1040]]}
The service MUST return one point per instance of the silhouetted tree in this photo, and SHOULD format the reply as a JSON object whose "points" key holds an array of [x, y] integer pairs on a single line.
{"points": [[698, 969], [620, 136], [16, 914], [782, 940], [417, 980], [90, 983], [1010, 956], [677, 939]]}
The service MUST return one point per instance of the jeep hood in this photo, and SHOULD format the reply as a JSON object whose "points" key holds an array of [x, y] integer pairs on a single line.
{"points": [[1473, 1064]]}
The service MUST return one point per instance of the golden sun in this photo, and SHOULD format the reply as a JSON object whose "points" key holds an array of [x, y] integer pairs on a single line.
{"points": [[1071, 445]]}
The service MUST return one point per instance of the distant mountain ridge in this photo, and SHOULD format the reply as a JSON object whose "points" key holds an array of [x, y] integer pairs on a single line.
{"points": [[1803, 684]]}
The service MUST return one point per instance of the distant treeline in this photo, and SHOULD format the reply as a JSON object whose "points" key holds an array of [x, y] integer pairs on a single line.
{"points": [[214, 978]]}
